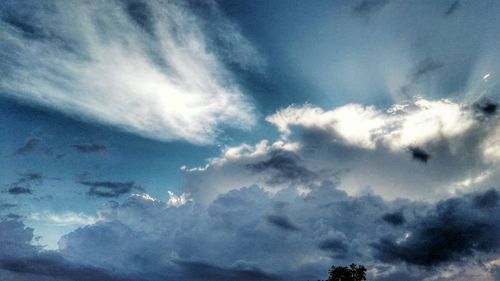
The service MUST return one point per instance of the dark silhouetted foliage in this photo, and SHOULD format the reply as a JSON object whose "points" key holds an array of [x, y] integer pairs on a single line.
{"points": [[343, 273]]}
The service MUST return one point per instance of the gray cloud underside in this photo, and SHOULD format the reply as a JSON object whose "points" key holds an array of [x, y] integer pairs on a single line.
{"points": [[143, 238]]}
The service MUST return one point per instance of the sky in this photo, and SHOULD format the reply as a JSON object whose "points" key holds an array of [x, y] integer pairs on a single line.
{"points": [[249, 140]]}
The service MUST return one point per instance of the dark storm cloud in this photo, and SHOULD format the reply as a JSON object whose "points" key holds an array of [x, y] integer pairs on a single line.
{"points": [[18, 255], [396, 218], [108, 189], [282, 222], [453, 8], [53, 265], [369, 7], [454, 229], [486, 107], [337, 247], [30, 146], [419, 154], [89, 147], [489, 199], [285, 166], [204, 271], [16, 190]]}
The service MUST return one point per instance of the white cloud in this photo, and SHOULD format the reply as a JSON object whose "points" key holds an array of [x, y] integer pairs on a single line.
{"points": [[154, 71], [364, 148], [403, 125], [176, 201]]}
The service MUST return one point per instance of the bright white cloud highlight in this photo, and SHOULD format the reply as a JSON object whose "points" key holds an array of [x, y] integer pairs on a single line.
{"points": [[403, 125], [150, 69], [364, 149], [177, 200]]}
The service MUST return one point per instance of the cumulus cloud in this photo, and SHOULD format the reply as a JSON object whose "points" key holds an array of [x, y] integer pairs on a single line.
{"points": [[262, 235], [369, 147], [364, 148], [21, 260], [258, 235], [455, 228], [289, 209], [417, 122], [156, 68]]}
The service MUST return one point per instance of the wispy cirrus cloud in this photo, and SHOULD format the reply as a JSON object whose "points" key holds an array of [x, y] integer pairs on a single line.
{"points": [[90, 147], [154, 68]]}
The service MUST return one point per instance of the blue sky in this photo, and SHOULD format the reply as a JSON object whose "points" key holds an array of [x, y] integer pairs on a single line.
{"points": [[204, 140]]}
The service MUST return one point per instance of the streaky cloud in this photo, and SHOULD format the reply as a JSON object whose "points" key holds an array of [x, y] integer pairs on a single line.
{"points": [[153, 68]]}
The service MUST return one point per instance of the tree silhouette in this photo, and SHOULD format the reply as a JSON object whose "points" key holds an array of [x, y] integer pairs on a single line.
{"points": [[343, 273]]}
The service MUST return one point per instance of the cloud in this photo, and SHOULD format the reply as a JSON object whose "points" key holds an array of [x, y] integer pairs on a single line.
{"points": [[25, 183], [291, 208], [90, 147], [158, 69], [282, 222], [176, 201], [489, 199], [454, 229], [30, 146], [453, 8], [16, 190], [369, 7], [4, 206], [285, 166], [205, 271], [487, 107], [110, 189], [419, 154], [146, 238], [425, 67], [337, 247], [396, 218], [334, 228], [36, 145], [62, 219], [367, 148], [365, 127]]}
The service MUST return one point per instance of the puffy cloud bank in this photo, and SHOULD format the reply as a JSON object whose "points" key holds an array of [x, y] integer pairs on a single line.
{"points": [[251, 234], [422, 149], [156, 68], [340, 186]]}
